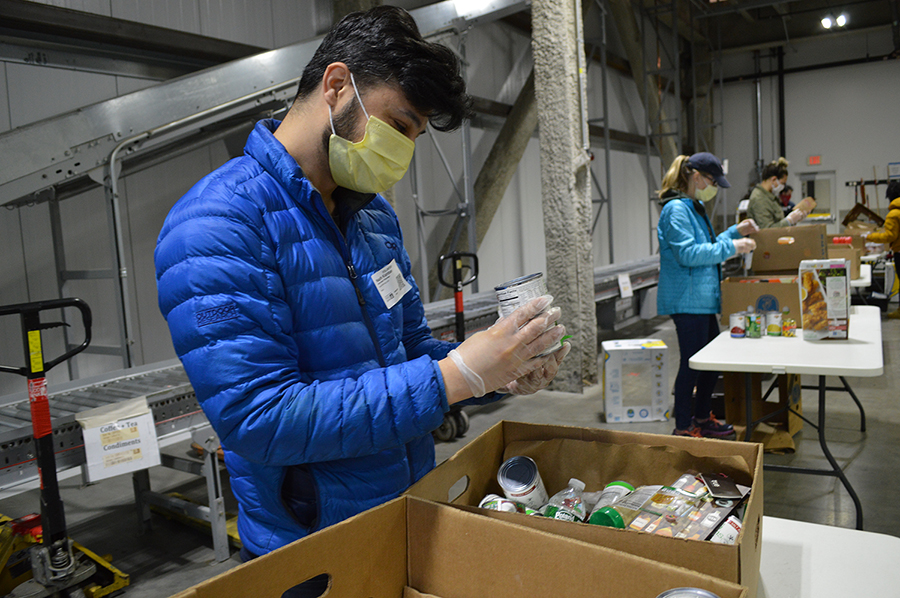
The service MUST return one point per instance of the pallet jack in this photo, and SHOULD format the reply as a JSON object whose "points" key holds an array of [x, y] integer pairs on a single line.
{"points": [[37, 558], [456, 422]]}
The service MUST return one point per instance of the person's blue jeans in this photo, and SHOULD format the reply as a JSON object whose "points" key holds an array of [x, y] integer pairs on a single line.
{"points": [[694, 332], [313, 588]]}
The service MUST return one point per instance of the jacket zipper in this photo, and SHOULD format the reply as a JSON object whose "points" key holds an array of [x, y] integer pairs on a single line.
{"points": [[362, 306], [351, 271]]}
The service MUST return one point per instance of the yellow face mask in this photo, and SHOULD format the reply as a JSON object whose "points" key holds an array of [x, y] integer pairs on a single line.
{"points": [[375, 163]]}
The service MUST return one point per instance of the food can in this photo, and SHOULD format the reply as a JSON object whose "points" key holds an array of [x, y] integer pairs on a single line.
{"points": [[517, 292], [773, 323], [687, 593], [738, 323], [755, 324], [728, 532], [522, 483], [493, 502]]}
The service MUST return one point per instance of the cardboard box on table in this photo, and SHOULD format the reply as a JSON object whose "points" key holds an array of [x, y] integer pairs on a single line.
{"points": [[598, 457], [849, 253], [764, 293], [782, 249], [411, 548]]}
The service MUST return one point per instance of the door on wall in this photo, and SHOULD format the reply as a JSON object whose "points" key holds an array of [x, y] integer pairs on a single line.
{"points": [[821, 187]]}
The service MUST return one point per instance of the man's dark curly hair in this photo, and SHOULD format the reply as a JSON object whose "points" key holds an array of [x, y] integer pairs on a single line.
{"points": [[383, 45]]}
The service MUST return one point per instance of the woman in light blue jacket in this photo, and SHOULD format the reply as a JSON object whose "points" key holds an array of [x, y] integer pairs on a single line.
{"points": [[690, 255]]}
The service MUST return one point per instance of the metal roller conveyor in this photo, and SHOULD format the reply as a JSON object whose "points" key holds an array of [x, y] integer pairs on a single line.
{"points": [[174, 404], [165, 385]]}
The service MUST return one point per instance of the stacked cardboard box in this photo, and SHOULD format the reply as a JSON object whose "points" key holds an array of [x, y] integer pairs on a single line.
{"points": [[601, 456], [410, 548]]}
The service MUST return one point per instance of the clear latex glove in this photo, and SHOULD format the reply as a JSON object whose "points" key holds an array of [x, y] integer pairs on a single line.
{"points": [[795, 216], [539, 378], [748, 227], [744, 245], [503, 353]]}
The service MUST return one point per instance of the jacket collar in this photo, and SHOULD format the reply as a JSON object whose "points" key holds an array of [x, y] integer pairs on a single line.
{"points": [[263, 147]]}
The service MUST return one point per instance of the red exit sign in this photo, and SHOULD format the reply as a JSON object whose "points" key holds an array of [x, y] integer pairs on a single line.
{"points": [[814, 160]]}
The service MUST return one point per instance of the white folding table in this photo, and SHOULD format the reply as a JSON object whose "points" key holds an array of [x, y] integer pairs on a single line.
{"points": [[808, 560], [860, 355]]}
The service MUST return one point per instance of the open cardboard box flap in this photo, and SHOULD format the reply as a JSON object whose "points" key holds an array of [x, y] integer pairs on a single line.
{"points": [[411, 548], [464, 479]]}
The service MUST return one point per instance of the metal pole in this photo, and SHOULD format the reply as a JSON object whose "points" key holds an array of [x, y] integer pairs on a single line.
{"points": [[468, 179]]}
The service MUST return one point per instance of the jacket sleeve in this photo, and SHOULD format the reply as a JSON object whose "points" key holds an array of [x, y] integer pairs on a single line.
{"points": [[764, 214], [888, 234], [226, 308], [678, 232]]}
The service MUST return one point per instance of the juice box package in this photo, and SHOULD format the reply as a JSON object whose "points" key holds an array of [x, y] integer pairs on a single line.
{"points": [[824, 287]]}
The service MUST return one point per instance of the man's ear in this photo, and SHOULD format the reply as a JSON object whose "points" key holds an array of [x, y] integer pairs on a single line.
{"points": [[334, 80]]}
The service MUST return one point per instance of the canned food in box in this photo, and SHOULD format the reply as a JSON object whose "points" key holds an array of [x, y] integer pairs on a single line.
{"points": [[522, 483]]}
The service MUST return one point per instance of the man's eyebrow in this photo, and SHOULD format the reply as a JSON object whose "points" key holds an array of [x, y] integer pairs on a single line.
{"points": [[412, 116]]}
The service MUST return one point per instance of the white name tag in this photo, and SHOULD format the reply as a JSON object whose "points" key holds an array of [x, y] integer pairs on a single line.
{"points": [[390, 283]]}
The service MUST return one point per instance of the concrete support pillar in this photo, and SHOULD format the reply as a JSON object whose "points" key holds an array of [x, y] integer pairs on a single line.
{"points": [[558, 48]]}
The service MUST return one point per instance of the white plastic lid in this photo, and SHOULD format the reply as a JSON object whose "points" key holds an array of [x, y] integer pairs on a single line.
{"points": [[576, 484]]}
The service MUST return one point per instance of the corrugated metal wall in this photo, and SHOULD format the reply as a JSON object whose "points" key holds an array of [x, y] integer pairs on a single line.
{"points": [[499, 61]]}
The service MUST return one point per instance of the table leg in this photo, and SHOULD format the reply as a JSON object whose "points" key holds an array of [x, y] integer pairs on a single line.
{"points": [[837, 470], [862, 412]]}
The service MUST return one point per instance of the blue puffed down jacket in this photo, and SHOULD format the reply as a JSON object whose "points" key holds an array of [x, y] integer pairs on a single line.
{"points": [[323, 398], [689, 258]]}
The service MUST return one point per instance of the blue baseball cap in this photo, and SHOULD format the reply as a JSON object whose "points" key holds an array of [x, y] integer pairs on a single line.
{"points": [[707, 163]]}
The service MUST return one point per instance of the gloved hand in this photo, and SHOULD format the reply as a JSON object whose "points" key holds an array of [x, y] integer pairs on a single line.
{"points": [[744, 245], [540, 377], [503, 353], [796, 216], [748, 227]]}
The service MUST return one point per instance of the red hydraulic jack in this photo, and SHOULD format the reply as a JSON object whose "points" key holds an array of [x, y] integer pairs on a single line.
{"points": [[456, 422], [55, 568]]}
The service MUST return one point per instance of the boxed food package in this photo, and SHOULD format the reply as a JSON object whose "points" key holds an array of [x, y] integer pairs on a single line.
{"points": [[824, 291], [410, 548], [635, 368], [763, 293], [598, 457], [781, 249]]}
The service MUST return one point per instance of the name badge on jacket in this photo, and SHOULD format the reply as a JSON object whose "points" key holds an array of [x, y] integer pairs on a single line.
{"points": [[390, 283]]}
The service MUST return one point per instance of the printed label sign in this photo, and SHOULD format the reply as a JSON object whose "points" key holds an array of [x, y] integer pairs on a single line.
{"points": [[390, 284]]}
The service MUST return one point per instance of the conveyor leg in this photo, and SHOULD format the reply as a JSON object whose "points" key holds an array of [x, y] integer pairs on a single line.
{"points": [[141, 481]]}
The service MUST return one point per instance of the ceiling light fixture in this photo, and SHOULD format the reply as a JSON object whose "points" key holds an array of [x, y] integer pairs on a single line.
{"points": [[841, 20], [827, 21]]}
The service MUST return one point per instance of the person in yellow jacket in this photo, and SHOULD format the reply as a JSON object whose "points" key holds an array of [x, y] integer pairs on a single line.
{"points": [[890, 232]]}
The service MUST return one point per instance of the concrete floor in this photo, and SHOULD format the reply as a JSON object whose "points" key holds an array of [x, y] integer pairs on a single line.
{"points": [[173, 557]]}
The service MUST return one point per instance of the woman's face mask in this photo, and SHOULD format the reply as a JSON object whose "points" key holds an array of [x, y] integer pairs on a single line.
{"points": [[708, 192], [375, 163], [777, 187]]}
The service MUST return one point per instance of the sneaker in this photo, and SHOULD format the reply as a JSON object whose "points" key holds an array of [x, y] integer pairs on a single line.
{"points": [[693, 432], [713, 428]]}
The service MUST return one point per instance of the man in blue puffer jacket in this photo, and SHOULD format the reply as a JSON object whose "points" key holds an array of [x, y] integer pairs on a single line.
{"points": [[288, 293]]}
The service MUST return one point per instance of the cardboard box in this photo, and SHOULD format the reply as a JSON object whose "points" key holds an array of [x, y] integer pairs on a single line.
{"points": [[782, 249], [849, 253], [824, 292], [764, 293], [635, 368], [788, 393], [410, 548], [598, 457]]}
